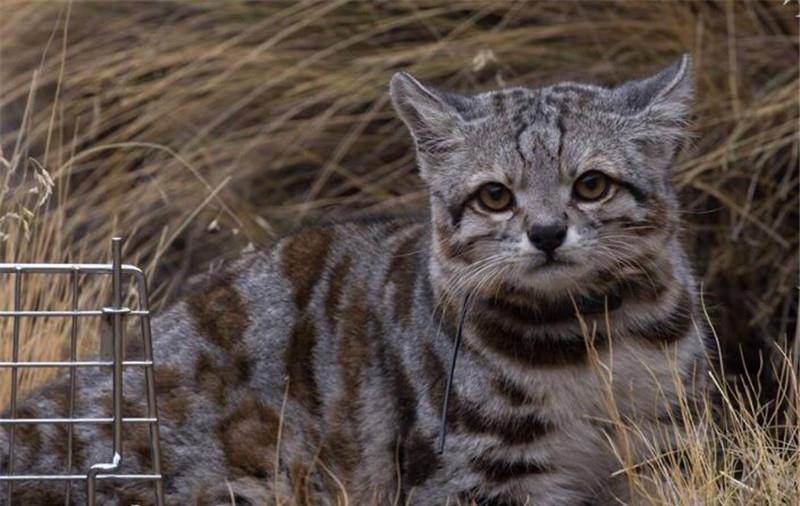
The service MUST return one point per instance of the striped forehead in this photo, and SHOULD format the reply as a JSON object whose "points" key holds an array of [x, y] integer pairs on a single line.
{"points": [[535, 122]]}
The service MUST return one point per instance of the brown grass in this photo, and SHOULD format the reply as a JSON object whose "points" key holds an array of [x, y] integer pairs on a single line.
{"points": [[736, 451], [198, 129]]}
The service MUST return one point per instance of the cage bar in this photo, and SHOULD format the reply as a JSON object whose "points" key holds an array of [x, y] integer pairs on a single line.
{"points": [[73, 357], [117, 312], [78, 364]]}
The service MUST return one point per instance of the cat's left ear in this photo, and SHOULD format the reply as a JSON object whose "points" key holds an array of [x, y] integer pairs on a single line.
{"points": [[661, 103], [432, 115]]}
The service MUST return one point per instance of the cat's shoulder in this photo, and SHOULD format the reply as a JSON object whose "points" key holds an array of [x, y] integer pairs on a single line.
{"points": [[304, 250]]}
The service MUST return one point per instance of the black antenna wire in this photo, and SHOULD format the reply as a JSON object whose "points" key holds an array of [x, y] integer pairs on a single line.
{"points": [[448, 387]]}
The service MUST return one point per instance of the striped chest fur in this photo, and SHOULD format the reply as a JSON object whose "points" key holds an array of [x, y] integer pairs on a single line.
{"points": [[318, 368]]}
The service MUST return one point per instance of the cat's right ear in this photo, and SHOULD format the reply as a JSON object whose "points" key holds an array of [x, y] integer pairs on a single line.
{"points": [[430, 114]]}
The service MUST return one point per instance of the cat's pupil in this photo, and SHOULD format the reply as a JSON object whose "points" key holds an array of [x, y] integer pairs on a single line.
{"points": [[496, 192]]}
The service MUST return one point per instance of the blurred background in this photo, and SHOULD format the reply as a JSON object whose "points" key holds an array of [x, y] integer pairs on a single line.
{"points": [[201, 129]]}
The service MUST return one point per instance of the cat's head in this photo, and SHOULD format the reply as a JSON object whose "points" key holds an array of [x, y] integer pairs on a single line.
{"points": [[548, 187]]}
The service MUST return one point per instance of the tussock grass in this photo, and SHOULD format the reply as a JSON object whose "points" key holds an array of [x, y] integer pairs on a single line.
{"points": [[736, 451], [198, 129], [726, 447]]}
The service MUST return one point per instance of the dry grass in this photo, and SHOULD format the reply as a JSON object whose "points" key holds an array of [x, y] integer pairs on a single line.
{"points": [[197, 129], [734, 451]]}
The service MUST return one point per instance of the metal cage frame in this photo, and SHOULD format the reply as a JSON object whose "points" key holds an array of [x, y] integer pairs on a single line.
{"points": [[117, 312]]}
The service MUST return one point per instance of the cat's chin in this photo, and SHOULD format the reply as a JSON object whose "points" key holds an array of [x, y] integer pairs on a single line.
{"points": [[551, 275], [549, 265]]}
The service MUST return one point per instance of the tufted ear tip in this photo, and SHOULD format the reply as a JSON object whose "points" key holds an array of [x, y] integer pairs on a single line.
{"points": [[400, 80], [661, 103], [412, 99], [671, 89], [682, 78], [430, 114]]}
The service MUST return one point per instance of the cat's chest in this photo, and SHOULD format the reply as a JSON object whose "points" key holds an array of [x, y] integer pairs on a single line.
{"points": [[617, 378]]}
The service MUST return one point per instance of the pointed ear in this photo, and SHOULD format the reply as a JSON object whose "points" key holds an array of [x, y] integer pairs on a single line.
{"points": [[431, 115], [661, 103], [665, 95]]}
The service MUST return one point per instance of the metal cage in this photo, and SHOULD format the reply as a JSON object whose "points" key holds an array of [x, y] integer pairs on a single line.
{"points": [[116, 313]]}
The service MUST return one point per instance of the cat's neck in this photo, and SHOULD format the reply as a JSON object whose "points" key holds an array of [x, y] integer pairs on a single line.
{"points": [[508, 319]]}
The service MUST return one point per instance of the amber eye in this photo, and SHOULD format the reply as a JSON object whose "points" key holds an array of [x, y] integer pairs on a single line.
{"points": [[495, 197], [592, 186]]}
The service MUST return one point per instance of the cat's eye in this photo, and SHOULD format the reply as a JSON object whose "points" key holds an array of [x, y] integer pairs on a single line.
{"points": [[495, 197], [591, 186]]}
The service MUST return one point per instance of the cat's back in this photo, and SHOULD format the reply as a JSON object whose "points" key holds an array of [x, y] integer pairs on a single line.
{"points": [[282, 314], [267, 343], [300, 265]]}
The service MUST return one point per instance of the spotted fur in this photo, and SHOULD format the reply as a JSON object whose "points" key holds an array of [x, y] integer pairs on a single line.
{"points": [[319, 365]]}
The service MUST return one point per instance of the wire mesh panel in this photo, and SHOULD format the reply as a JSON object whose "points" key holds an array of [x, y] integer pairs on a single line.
{"points": [[116, 313]]}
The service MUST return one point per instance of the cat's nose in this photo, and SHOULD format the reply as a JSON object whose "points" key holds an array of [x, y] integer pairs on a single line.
{"points": [[548, 237]]}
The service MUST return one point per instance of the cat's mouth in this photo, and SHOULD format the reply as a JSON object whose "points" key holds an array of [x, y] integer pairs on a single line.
{"points": [[550, 262]]}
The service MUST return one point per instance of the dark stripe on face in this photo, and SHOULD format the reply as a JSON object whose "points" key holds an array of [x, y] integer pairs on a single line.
{"points": [[539, 351], [522, 123], [543, 147], [500, 471], [456, 211], [512, 429], [446, 247], [219, 312], [660, 216], [303, 259], [299, 360], [673, 327], [462, 252], [518, 141], [562, 132], [639, 228], [638, 194]]}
